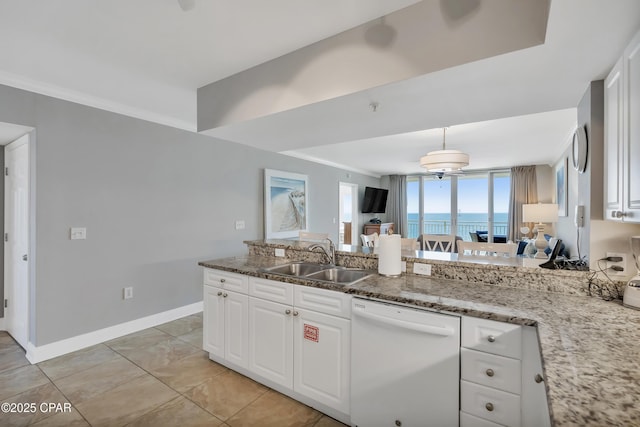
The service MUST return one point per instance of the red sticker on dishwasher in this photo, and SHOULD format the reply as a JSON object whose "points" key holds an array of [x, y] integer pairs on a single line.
{"points": [[311, 333]]}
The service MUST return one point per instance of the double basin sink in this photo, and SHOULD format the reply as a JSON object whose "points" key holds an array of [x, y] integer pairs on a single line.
{"points": [[325, 273]]}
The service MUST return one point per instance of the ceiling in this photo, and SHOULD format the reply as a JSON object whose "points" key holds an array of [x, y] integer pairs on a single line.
{"points": [[147, 59]]}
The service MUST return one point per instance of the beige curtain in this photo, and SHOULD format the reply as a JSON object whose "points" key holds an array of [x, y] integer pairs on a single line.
{"points": [[524, 190]]}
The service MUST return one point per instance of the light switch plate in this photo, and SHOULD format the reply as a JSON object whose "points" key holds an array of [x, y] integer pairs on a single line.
{"points": [[424, 269], [240, 225], [78, 233]]}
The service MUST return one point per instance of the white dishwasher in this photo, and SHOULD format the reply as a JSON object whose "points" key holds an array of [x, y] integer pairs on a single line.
{"points": [[405, 366]]}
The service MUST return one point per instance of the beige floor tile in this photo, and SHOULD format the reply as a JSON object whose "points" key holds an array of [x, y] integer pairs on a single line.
{"points": [[77, 361], [160, 354], [326, 421], [182, 326], [188, 372], [178, 412], [7, 342], [21, 379], [194, 338], [126, 402], [144, 338], [91, 382], [273, 409], [11, 358], [46, 393], [226, 394], [63, 419]]}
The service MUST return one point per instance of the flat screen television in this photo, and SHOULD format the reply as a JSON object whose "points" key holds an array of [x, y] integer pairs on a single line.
{"points": [[375, 200]]}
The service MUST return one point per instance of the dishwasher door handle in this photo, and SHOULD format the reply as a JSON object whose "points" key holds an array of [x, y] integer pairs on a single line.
{"points": [[427, 329]]}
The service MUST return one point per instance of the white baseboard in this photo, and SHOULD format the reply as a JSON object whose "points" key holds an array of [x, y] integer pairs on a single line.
{"points": [[68, 345]]}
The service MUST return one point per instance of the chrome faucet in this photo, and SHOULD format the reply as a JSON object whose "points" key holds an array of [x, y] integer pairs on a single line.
{"points": [[330, 254]]}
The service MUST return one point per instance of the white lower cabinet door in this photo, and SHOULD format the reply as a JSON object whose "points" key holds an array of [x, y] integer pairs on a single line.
{"points": [[467, 420], [271, 341], [322, 358], [236, 328], [213, 321], [491, 404]]}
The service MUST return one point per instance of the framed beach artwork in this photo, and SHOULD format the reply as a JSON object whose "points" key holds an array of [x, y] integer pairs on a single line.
{"points": [[561, 187], [285, 204]]}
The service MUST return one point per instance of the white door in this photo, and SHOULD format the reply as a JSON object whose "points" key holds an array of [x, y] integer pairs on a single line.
{"points": [[349, 213], [213, 321], [16, 248], [236, 328], [271, 341], [322, 358]]}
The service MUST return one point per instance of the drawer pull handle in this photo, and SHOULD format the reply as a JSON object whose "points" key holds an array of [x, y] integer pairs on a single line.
{"points": [[538, 378], [222, 280], [295, 313], [489, 406], [490, 372], [219, 294], [491, 338], [398, 423], [287, 311], [224, 295]]}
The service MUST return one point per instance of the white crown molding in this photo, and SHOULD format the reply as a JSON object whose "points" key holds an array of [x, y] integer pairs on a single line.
{"points": [[59, 348], [43, 88], [328, 163]]}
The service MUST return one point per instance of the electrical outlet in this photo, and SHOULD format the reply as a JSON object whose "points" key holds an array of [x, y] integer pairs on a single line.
{"points": [[424, 269], [127, 293], [622, 264], [279, 252]]}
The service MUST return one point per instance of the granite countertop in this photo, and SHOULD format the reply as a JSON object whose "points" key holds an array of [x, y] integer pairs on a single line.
{"points": [[589, 347]]}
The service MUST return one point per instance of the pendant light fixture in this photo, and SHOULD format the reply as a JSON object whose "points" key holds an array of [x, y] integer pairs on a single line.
{"points": [[444, 161]]}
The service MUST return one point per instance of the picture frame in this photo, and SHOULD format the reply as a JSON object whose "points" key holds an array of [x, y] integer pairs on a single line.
{"points": [[286, 207], [562, 187]]}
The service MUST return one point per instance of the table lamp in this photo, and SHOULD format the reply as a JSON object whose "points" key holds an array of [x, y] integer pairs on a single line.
{"points": [[540, 213]]}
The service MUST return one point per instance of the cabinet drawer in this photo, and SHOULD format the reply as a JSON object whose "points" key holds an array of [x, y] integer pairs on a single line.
{"points": [[488, 369], [504, 339], [491, 404], [230, 281], [468, 420], [271, 290], [323, 301]]}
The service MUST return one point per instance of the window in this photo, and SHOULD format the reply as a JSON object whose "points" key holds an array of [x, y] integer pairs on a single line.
{"points": [[480, 201]]}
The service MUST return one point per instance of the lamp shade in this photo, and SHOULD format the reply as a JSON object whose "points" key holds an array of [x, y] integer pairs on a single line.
{"points": [[540, 212], [444, 160]]}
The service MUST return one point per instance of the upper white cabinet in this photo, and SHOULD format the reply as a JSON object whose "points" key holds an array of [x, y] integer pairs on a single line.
{"points": [[622, 137]]}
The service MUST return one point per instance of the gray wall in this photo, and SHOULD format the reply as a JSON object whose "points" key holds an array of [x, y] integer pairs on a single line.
{"points": [[155, 201]]}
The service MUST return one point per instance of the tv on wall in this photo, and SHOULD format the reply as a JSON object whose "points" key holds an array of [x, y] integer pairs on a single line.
{"points": [[375, 200]]}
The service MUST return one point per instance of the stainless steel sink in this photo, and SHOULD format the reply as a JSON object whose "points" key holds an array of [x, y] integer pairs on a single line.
{"points": [[326, 273], [340, 275], [296, 268]]}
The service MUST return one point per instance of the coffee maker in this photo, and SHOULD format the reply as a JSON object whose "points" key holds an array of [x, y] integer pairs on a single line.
{"points": [[631, 296]]}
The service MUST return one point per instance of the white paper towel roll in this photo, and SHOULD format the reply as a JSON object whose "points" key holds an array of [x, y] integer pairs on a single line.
{"points": [[389, 248]]}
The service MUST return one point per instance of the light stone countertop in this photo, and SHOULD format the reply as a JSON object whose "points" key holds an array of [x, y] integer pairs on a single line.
{"points": [[590, 347]]}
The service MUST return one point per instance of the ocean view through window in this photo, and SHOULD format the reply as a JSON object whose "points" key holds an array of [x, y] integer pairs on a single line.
{"points": [[481, 200]]}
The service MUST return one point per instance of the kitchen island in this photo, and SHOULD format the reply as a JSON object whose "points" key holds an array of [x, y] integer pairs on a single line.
{"points": [[588, 345]]}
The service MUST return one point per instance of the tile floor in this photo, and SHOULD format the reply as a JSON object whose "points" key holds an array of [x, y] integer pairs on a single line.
{"points": [[156, 377]]}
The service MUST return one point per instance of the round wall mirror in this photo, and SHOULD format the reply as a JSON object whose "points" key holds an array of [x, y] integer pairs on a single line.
{"points": [[580, 149]]}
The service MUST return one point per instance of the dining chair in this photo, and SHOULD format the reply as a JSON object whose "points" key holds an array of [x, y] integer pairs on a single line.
{"points": [[307, 235], [369, 240], [409, 244], [487, 249], [438, 242]]}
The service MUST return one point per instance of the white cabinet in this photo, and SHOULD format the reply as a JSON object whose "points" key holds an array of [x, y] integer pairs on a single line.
{"points": [[299, 338], [622, 137], [501, 376], [322, 358], [226, 314], [271, 330]]}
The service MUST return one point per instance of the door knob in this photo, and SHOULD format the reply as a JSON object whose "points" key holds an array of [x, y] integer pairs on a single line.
{"points": [[24, 257]]}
